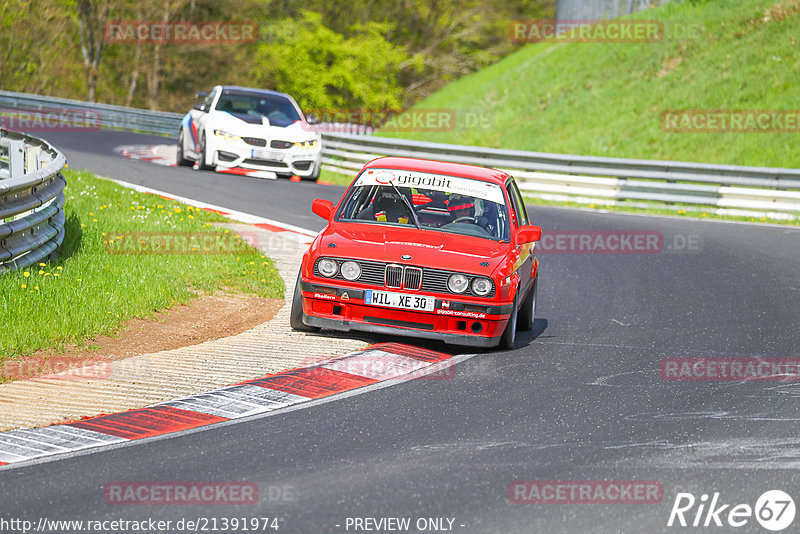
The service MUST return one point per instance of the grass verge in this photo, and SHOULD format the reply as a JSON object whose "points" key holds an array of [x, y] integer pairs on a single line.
{"points": [[607, 99], [104, 278]]}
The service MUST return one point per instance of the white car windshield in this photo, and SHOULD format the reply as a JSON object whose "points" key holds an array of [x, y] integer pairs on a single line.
{"points": [[251, 107], [432, 202]]}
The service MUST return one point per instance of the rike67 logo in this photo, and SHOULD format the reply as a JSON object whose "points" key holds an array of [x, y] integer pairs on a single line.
{"points": [[774, 510]]}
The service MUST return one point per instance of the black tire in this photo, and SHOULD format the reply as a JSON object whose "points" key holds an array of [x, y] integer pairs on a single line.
{"points": [[296, 315], [314, 176], [201, 163], [527, 313], [181, 160], [510, 333]]}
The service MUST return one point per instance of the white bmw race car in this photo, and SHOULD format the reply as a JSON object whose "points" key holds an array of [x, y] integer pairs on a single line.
{"points": [[251, 129]]}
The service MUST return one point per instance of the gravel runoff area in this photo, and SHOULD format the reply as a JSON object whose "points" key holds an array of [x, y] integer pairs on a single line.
{"points": [[146, 379]]}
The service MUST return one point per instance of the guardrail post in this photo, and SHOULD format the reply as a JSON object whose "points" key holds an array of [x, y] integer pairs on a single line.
{"points": [[16, 157]]}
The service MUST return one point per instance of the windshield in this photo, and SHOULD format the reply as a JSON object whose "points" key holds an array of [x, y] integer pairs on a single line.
{"points": [[434, 202], [277, 109]]}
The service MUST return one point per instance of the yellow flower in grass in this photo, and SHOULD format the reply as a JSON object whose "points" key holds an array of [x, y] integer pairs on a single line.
{"points": [[42, 264], [41, 272], [23, 286], [60, 268], [26, 274]]}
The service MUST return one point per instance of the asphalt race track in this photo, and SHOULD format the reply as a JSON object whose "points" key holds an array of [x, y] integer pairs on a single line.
{"points": [[581, 398]]}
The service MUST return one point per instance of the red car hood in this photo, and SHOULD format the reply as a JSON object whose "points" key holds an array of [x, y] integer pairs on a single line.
{"points": [[427, 248]]}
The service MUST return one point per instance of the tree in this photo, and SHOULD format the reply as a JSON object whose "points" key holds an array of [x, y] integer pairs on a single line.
{"points": [[325, 70], [92, 19]]}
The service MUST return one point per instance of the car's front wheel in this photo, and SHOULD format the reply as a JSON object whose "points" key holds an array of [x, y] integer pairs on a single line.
{"points": [[201, 163], [314, 176], [181, 159], [296, 314], [510, 333]]}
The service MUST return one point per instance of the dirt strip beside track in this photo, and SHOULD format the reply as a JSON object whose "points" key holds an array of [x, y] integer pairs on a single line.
{"points": [[147, 379]]}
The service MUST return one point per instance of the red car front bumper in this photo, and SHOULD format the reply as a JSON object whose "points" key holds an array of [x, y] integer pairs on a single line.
{"points": [[454, 322]]}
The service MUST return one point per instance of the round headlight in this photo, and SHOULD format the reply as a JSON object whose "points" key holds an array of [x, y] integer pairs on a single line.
{"points": [[481, 286], [327, 267], [457, 283], [351, 270]]}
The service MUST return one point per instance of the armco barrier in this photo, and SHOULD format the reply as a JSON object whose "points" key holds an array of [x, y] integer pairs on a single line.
{"points": [[724, 189], [671, 184], [31, 200]]}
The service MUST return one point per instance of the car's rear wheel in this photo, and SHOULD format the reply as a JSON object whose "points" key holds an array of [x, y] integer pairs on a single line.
{"points": [[296, 314], [527, 313], [182, 161], [510, 333]]}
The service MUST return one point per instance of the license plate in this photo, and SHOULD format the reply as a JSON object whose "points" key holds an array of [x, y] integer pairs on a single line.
{"points": [[399, 300], [270, 155]]}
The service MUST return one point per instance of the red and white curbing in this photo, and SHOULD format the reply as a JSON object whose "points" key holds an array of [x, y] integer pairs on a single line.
{"points": [[167, 155], [295, 233], [381, 364]]}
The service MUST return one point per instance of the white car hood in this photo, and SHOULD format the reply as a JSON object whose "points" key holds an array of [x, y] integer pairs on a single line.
{"points": [[223, 120]]}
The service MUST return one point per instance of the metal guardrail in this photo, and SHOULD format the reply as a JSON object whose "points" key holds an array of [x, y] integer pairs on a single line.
{"points": [[31, 200], [107, 116], [728, 189], [101, 116]]}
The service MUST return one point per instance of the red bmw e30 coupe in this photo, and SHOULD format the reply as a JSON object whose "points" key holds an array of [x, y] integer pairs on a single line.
{"points": [[426, 249]]}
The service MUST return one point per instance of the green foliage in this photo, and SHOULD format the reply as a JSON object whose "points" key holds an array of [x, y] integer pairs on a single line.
{"points": [[607, 99], [374, 54], [323, 69], [96, 285]]}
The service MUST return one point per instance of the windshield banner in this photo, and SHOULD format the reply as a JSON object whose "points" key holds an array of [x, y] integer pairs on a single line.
{"points": [[443, 183]]}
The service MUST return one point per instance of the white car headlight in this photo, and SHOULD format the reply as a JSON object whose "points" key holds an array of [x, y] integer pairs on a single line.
{"points": [[327, 267], [307, 144], [226, 135], [481, 286], [457, 283], [351, 270]]}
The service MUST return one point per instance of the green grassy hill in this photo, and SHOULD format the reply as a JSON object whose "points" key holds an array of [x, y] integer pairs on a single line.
{"points": [[606, 99]]}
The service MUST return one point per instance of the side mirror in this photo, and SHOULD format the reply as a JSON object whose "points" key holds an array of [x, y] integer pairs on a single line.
{"points": [[201, 94], [529, 233], [323, 208], [200, 106], [312, 119]]}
